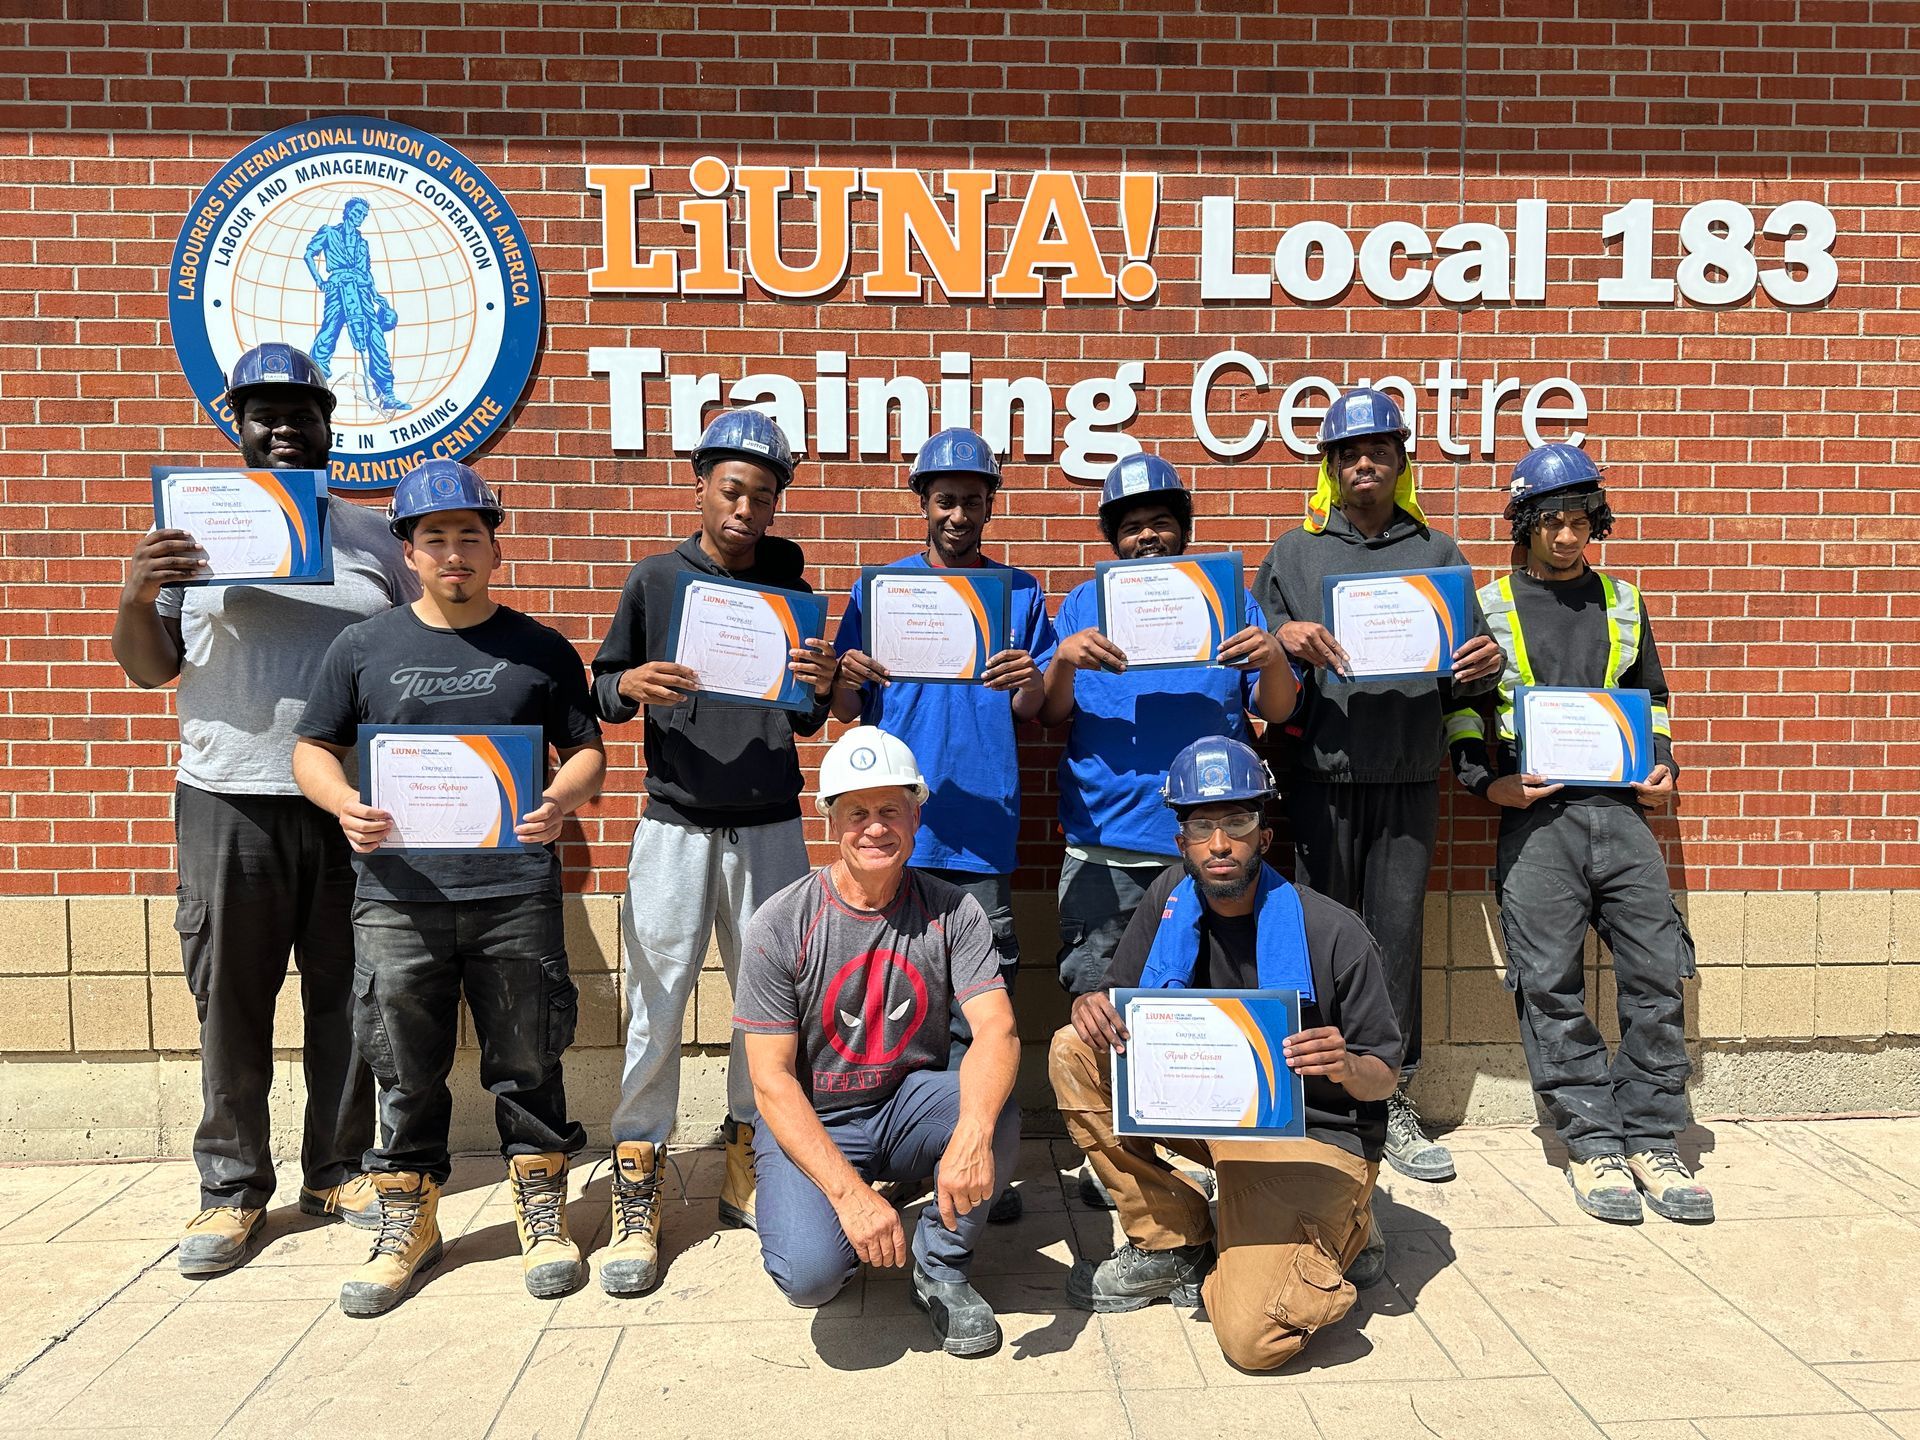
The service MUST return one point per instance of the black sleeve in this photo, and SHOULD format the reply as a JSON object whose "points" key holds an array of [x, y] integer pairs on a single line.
{"points": [[570, 719], [1450, 694], [1472, 759], [1129, 960], [1266, 592], [1645, 674], [1364, 1011], [333, 709], [624, 647]]}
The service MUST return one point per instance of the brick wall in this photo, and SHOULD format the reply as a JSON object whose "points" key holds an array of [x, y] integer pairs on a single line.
{"points": [[1753, 450]]}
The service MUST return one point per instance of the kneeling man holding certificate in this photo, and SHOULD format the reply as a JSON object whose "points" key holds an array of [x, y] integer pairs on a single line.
{"points": [[453, 701], [1294, 1213]]}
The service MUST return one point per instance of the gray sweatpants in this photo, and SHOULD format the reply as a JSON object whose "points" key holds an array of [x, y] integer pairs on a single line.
{"points": [[684, 885]]}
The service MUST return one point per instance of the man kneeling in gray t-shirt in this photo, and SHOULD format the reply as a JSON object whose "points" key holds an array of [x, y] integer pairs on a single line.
{"points": [[847, 982]]}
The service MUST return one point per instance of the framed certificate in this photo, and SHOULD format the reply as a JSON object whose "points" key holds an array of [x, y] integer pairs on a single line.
{"points": [[935, 626], [256, 526], [1400, 627], [1207, 1063], [449, 789], [1171, 610], [736, 636], [1584, 737]]}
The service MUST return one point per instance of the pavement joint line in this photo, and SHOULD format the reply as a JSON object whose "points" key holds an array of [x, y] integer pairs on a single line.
{"points": [[1805, 1159], [272, 1370], [6, 1381]]}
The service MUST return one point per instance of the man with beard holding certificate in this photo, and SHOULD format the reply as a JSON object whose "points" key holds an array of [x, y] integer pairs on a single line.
{"points": [[1294, 1214], [1363, 756], [1573, 855], [1125, 728], [262, 872], [963, 734], [433, 925]]}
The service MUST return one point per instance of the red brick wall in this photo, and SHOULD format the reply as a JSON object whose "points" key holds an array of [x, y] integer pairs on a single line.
{"points": [[1754, 452]]}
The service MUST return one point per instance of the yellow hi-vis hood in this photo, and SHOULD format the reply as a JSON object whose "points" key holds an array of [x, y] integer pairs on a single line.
{"points": [[1326, 494]]}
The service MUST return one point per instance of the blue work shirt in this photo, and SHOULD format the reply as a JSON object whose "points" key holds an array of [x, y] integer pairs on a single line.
{"points": [[962, 736], [1127, 728]]}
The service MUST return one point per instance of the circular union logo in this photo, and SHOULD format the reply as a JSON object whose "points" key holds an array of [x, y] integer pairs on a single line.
{"points": [[863, 759], [386, 255]]}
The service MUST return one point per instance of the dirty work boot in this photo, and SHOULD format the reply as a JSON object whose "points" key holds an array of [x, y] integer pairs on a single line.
{"points": [[630, 1264], [217, 1239], [1093, 1190], [354, 1201], [548, 1257], [736, 1190], [407, 1245], [1672, 1192], [1603, 1187], [1408, 1149], [963, 1322], [1134, 1278], [1006, 1208], [1369, 1267]]}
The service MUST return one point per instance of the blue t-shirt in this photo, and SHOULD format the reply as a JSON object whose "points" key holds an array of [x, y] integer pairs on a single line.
{"points": [[1127, 728], [962, 735]]}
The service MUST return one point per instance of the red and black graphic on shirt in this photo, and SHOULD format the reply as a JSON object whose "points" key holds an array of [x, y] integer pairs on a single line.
{"points": [[870, 1017]]}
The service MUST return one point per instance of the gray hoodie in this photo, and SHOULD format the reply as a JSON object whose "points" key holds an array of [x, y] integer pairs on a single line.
{"points": [[1375, 732]]}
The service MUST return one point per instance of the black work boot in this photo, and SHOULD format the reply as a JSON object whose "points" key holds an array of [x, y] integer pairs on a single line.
{"points": [[1134, 1278], [963, 1322]]}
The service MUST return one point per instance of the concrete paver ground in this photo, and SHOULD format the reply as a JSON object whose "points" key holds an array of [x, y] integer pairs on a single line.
{"points": [[1506, 1313]]}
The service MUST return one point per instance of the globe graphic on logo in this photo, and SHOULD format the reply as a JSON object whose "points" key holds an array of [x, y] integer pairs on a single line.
{"points": [[419, 268]]}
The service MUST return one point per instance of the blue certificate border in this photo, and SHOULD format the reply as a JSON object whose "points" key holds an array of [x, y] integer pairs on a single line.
{"points": [[1225, 570], [809, 614], [1276, 1014], [1636, 709], [1455, 584], [312, 561], [522, 747], [993, 586]]}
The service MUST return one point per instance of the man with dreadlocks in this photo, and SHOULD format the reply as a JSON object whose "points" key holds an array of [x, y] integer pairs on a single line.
{"points": [[1574, 855], [1362, 756]]}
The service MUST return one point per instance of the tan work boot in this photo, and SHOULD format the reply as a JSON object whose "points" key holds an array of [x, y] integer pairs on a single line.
{"points": [[354, 1201], [736, 1191], [1603, 1187], [630, 1265], [217, 1239], [548, 1256], [408, 1243], [1672, 1191]]}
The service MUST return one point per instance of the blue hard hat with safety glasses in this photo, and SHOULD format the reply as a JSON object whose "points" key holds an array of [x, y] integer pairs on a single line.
{"points": [[1551, 470], [747, 435], [276, 364], [1216, 768], [434, 486], [1362, 412], [954, 452]]}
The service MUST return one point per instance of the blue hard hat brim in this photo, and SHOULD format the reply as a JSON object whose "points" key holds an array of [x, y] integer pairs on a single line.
{"points": [[783, 475], [234, 396]]}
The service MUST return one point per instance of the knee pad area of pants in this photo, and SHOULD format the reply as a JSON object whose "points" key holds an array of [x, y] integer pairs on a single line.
{"points": [[808, 1287]]}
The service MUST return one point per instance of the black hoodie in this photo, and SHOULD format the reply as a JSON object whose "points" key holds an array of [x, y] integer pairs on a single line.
{"points": [[710, 761]]}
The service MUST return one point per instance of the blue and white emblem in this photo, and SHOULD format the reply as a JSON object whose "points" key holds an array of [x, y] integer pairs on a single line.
{"points": [[387, 256]]}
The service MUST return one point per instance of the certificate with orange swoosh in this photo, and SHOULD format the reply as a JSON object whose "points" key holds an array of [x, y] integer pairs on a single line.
{"points": [[452, 789], [935, 626], [1570, 736], [1171, 610], [1208, 1063], [257, 527], [1400, 626], [736, 638]]}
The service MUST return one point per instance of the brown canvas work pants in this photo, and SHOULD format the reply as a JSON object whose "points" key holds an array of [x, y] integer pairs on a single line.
{"points": [[1293, 1216]]}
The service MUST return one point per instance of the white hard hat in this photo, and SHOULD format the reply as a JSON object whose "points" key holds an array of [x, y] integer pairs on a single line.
{"points": [[866, 758]]}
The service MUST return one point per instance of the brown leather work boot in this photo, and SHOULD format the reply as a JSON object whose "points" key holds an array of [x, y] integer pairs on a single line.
{"points": [[354, 1201], [407, 1245], [630, 1265], [548, 1256], [736, 1191], [217, 1239]]}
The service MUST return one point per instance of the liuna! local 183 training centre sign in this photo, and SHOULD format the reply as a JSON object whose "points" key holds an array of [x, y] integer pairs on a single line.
{"points": [[389, 257]]}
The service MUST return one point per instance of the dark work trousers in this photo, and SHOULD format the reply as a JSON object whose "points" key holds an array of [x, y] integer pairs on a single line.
{"points": [[262, 876], [995, 894], [1097, 902], [508, 956], [1563, 867], [1370, 848]]}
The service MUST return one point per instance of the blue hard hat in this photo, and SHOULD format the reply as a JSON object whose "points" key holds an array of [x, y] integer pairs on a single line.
{"points": [[1139, 477], [436, 485], [276, 363], [1361, 412], [1548, 471], [1216, 768], [747, 435], [954, 452]]}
